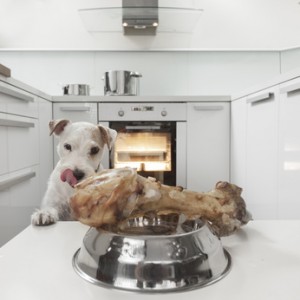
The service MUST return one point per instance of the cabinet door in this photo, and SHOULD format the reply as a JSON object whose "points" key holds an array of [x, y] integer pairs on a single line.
{"points": [[19, 195], [76, 112], [16, 101], [289, 150], [261, 154], [3, 146], [23, 145], [207, 144], [238, 143]]}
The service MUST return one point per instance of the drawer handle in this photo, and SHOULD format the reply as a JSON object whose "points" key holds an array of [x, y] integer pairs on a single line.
{"points": [[207, 108], [13, 123], [16, 94], [260, 97], [9, 182], [75, 108], [290, 88]]}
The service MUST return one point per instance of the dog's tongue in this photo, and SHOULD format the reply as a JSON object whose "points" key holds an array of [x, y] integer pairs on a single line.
{"points": [[68, 176]]}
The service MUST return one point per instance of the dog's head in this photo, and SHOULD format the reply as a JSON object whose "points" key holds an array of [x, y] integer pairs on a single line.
{"points": [[80, 148]]}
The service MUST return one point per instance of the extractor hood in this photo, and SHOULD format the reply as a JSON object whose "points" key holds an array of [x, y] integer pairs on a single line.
{"points": [[140, 17], [143, 17]]}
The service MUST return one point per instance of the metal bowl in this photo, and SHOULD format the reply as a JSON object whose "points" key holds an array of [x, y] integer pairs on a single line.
{"points": [[153, 255]]}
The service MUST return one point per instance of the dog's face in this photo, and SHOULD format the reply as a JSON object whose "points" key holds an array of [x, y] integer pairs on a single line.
{"points": [[81, 146]]}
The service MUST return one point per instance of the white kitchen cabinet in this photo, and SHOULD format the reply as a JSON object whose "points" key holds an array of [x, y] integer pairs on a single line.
{"points": [[22, 142], [289, 150], [238, 143], [208, 132], [76, 112], [21, 152], [261, 153], [17, 101]]}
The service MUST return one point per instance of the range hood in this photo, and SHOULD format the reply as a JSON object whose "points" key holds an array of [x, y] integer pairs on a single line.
{"points": [[142, 17]]}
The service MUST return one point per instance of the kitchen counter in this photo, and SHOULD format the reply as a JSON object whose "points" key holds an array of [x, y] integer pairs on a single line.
{"points": [[37, 264], [200, 98], [267, 84], [23, 86]]}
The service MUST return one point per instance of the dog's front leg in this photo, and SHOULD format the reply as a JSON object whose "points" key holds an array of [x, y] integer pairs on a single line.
{"points": [[45, 216]]}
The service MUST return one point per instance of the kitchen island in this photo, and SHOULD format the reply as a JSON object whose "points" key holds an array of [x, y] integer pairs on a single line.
{"points": [[37, 264]]}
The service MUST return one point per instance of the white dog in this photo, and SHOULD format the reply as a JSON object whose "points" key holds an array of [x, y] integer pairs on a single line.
{"points": [[80, 149]]}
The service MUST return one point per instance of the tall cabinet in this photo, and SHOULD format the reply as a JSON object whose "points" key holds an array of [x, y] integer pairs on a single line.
{"points": [[265, 150], [261, 154], [289, 150]]}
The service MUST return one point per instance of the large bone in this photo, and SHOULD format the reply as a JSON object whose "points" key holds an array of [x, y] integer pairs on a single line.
{"points": [[114, 195]]}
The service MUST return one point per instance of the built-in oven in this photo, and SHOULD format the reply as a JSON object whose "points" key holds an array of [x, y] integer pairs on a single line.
{"points": [[151, 138]]}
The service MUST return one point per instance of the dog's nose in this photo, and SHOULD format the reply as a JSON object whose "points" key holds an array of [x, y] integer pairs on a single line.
{"points": [[78, 174]]}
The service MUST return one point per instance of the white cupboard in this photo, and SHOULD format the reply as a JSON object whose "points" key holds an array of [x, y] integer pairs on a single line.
{"points": [[289, 150], [208, 140], [261, 154], [265, 150], [21, 118]]}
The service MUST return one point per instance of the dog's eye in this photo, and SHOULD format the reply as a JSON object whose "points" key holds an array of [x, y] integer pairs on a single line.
{"points": [[94, 150], [68, 147]]}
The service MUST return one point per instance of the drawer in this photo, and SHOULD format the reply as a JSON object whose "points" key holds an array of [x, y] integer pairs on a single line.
{"points": [[76, 112], [19, 196], [17, 101], [21, 142], [20, 188]]}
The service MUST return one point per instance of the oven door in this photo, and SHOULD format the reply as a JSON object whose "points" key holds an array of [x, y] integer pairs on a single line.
{"points": [[156, 149]]}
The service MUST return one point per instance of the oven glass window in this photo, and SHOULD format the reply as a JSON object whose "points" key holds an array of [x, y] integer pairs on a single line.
{"points": [[144, 151], [149, 147]]}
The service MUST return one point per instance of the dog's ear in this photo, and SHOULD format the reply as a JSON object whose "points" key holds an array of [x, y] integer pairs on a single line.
{"points": [[108, 135], [57, 126]]}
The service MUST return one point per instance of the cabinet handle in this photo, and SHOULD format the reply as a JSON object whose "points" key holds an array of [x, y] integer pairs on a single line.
{"points": [[260, 97], [75, 108], [290, 88], [16, 94], [210, 107], [9, 182], [13, 123]]}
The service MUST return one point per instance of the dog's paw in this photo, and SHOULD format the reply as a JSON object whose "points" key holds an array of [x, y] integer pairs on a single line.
{"points": [[43, 217]]}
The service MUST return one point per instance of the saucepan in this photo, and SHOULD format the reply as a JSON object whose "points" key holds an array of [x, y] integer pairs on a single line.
{"points": [[153, 255], [76, 89], [121, 83]]}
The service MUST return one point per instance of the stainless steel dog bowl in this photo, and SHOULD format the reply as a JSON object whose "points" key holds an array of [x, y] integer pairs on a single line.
{"points": [[153, 255]]}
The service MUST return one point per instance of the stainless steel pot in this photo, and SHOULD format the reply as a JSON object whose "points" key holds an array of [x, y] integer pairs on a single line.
{"points": [[76, 89], [121, 83]]}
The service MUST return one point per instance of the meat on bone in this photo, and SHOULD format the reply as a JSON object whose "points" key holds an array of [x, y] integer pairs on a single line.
{"points": [[114, 195]]}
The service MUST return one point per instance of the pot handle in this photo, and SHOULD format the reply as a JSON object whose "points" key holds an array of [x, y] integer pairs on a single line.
{"points": [[135, 74]]}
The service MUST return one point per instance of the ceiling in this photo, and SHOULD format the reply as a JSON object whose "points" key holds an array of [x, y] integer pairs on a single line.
{"points": [[266, 25]]}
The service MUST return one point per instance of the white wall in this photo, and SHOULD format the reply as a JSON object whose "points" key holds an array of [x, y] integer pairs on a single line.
{"points": [[164, 73], [290, 60]]}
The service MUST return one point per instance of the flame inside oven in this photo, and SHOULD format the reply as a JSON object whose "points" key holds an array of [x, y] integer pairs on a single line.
{"points": [[144, 151]]}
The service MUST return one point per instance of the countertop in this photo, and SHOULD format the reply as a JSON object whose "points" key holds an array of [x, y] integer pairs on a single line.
{"points": [[23, 86], [37, 264], [150, 99]]}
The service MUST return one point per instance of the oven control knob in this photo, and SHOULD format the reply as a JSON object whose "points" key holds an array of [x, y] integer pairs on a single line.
{"points": [[121, 113], [164, 113]]}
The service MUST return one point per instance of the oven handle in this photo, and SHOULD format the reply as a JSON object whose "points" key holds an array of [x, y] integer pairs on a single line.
{"points": [[143, 127]]}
